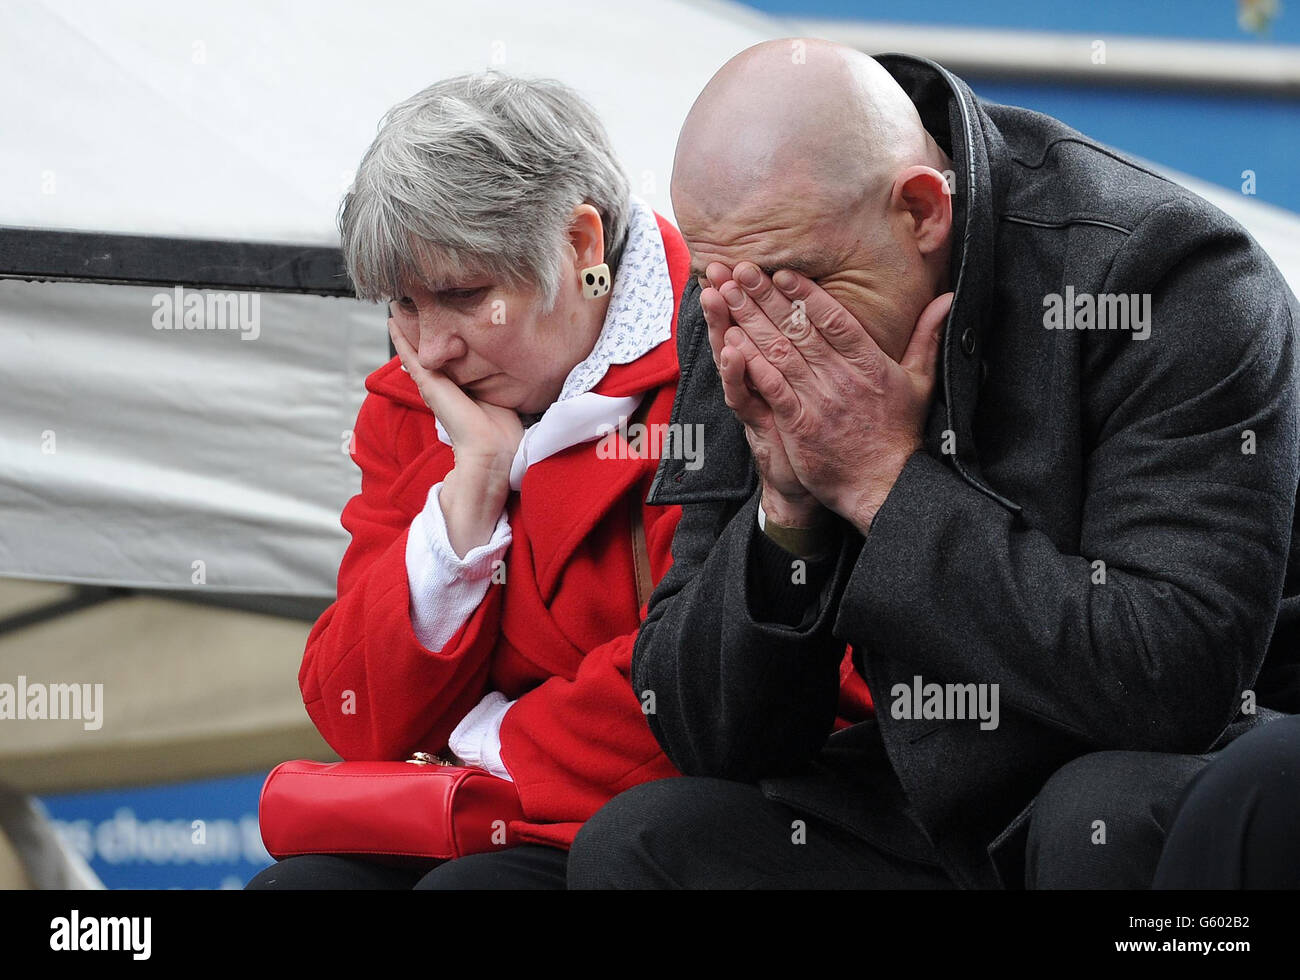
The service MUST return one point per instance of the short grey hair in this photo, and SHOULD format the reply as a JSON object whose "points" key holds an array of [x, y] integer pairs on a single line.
{"points": [[479, 174]]}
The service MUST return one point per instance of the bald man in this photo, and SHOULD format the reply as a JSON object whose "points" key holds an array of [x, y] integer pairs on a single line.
{"points": [[1009, 415]]}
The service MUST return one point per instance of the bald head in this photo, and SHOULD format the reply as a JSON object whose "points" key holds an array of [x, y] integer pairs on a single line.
{"points": [[806, 155], [805, 110]]}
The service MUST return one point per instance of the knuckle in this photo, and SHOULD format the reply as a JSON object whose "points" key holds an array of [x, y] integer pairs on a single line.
{"points": [[779, 349], [835, 325], [795, 328], [827, 403], [870, 373], [768, 385], [874, 372], [763, 292]]}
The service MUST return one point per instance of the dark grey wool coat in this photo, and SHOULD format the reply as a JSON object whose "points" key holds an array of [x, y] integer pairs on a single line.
{"points": [[1174, 460]]}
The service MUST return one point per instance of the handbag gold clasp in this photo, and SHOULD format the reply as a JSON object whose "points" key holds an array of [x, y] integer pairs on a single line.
{"points": [[428, 759]]}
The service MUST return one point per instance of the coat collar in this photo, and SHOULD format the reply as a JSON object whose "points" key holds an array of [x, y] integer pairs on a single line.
{"points": [[979, 158], [951, 113]]}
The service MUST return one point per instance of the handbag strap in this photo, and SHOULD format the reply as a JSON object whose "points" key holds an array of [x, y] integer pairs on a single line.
{"points": [[640, 556], [640, 551]]}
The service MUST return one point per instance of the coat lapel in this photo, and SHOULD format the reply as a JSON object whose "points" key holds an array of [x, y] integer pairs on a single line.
{"points": [[967, 330]]}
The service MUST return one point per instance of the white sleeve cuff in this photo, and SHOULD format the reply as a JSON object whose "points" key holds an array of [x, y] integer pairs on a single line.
{"points": [[445, 588], [476, 741]]}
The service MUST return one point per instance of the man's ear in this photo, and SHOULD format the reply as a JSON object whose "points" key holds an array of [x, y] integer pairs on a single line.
{"points": [[922, 193], [587, 236]]}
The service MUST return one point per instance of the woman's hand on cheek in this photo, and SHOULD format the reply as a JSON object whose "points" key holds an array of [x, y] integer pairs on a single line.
{"points": [[484, 439], [482, 434]]}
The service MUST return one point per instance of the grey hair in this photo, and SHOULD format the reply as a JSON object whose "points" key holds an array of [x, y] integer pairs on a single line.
{"points": [[479, 174]]}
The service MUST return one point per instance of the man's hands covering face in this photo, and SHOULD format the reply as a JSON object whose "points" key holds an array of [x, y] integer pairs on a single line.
{"points": [[831, 419]]}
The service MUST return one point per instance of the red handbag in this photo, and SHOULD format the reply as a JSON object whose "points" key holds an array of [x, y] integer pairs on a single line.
{"points": [[422, 811]]}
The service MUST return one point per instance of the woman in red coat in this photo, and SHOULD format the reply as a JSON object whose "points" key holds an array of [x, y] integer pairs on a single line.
{"points": [[488, 601]]}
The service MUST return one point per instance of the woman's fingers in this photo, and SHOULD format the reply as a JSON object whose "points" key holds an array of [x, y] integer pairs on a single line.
{"points": [[481, 432], [412, 330], [451, 406]]}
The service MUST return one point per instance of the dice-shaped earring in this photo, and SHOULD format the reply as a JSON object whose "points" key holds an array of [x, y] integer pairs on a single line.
{"points": [[596, 281]]}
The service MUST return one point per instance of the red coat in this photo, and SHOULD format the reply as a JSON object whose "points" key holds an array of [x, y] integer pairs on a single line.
{"points": [[557, 635]]}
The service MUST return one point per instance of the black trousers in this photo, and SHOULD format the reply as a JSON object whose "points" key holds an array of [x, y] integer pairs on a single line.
{"points": [[529, 866], [695, 832], [1236, 825], [1153, 820], [1099, 822]]}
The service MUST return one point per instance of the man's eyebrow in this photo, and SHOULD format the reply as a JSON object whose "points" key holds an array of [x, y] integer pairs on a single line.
{"points": [[811, 267], [809, 264]]}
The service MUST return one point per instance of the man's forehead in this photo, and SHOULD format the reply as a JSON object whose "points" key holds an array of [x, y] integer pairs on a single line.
{"points": [[791, 224]]}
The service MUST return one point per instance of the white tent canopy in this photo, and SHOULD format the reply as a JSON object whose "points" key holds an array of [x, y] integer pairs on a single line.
{"points": [[246, 119]]}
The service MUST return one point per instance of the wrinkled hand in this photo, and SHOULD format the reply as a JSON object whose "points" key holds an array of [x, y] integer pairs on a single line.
{"points": [[485, 438], [785, 499], [484, 434], [848, 415]]}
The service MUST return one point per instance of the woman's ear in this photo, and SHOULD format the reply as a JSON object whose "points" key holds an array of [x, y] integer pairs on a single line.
{"points": [[923, 194], [587, 236]]}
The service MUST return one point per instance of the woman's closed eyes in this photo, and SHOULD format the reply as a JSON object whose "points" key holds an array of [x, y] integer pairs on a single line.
{"points": [[461, 297]]}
